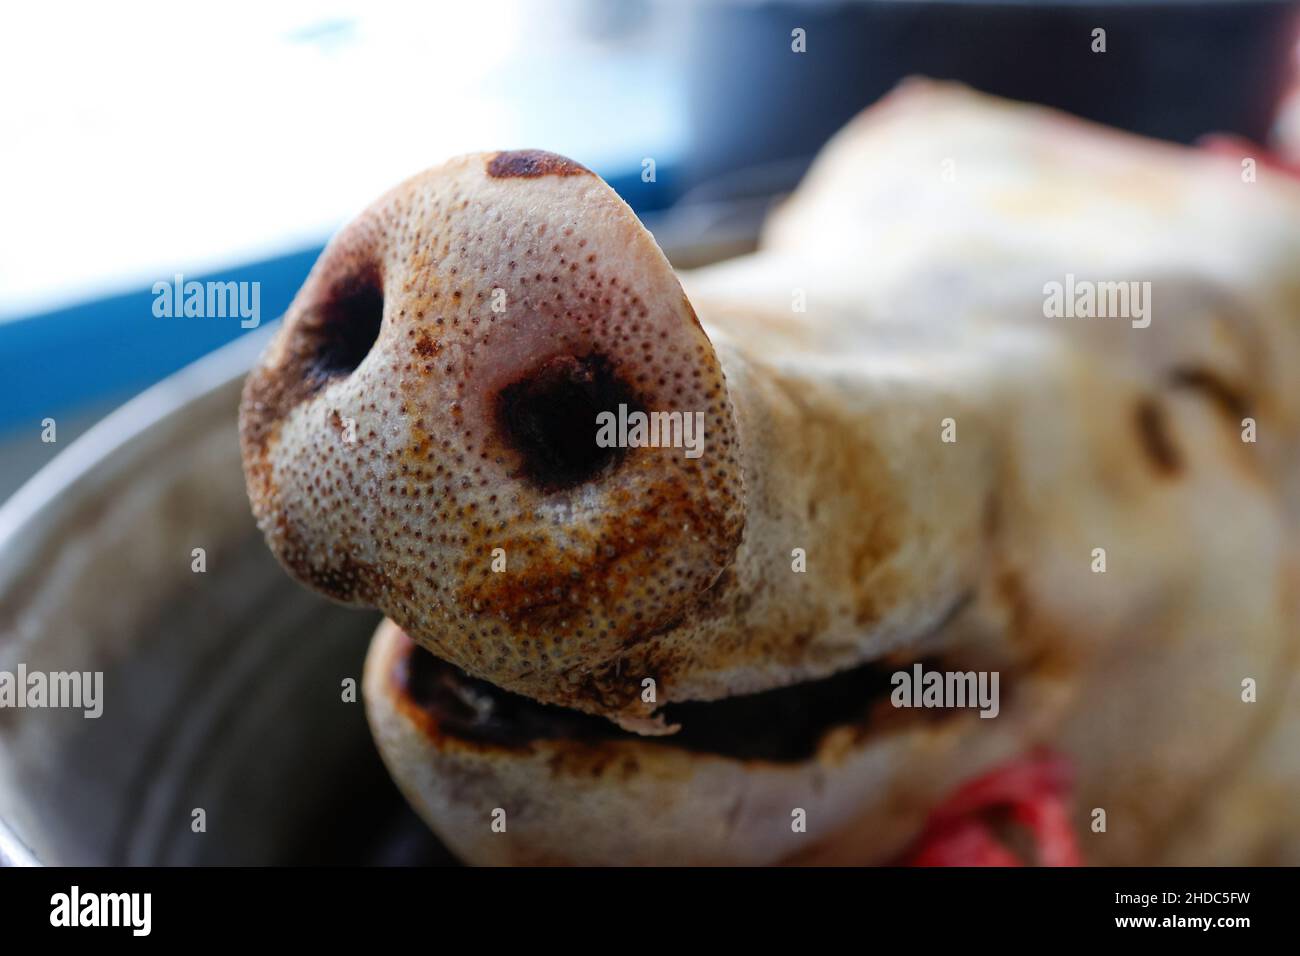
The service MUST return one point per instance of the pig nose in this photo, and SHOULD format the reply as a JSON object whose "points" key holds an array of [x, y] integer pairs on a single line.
{"points": [[421, 436]]}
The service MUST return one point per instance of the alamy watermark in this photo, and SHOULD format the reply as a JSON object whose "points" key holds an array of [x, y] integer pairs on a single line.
{"points": [[81, 690], [133, 911], [946, 689], [637, 429], [1084, 299], [208, 300]]}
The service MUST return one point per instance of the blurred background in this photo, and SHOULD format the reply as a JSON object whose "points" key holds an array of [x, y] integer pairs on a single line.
{"points": [[230, 140]]}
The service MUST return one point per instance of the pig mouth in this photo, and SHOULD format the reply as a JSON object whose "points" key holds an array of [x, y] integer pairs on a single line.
{"points": [[1014, 814], [783, 725]]}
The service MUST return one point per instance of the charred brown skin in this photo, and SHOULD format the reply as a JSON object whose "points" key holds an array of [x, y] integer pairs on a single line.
{"points": [[531, 163]]}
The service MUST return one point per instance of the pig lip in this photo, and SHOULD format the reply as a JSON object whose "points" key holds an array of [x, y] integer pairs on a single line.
{"points": [[785, 725]]}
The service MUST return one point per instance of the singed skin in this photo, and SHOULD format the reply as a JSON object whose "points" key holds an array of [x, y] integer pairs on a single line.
{"points": [[904, 458]]}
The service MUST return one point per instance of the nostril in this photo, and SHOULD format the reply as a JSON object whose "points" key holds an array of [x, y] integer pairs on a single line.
{"points": [[549, 417], [348, 323]]}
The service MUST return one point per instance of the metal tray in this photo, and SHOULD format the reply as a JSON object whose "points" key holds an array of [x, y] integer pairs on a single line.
{"points": [[222, 690]]}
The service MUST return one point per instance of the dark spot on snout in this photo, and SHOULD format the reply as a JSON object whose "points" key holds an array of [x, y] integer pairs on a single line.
{"points": [[1153, 435], [531, 163], [425, 346], [549, 416]]}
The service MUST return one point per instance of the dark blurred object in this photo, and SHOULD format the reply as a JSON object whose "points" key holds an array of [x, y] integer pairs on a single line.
{"points": [[1174, 70]]}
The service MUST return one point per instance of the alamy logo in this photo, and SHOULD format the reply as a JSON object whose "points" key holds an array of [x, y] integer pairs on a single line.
{"points": [[81, 690], [75, 908], [209, 300], [651, 430], [1083, 299], [946, 689]]}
